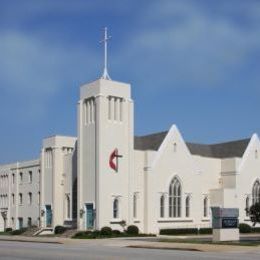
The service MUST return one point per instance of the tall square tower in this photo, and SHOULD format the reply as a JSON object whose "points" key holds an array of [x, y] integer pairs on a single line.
{"points": [[105, 154]]}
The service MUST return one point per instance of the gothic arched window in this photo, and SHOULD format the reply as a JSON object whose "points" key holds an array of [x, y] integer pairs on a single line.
{"points": [[256, 192], [175, 198]]}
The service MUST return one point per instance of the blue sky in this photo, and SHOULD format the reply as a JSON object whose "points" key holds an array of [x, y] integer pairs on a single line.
{"points": [[191, 63]]}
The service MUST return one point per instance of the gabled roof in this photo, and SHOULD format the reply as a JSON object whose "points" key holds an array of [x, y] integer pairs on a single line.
{"points": [[220, 150]]}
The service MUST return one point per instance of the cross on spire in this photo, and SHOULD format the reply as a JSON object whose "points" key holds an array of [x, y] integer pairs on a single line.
{"points": [[105, 40]]}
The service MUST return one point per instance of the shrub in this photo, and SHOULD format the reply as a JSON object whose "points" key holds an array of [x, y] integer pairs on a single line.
{"points": [[80, 234], [8, 229], [255, 229], [204, 231], [59, 229], [244, 228], [18, 231], [106, 231], [95, 234], [132, 230], [178, 231], [116, 232]]}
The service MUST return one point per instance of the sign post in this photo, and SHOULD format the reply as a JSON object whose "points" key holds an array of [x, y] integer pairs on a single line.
{"points": [[225, 224]]}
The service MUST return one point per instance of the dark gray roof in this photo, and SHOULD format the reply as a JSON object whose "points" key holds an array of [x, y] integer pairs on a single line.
{"points": [[149, 142], [221, 150]]}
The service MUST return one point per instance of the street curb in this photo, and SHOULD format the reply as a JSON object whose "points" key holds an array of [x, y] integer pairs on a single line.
{"points": [[166, 248], [31, 241]]}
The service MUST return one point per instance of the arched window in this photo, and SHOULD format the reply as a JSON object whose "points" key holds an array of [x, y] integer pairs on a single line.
{"points": [[175, 199], [135, 206], [256, 192], [187, 207], [30, 198], [162, 206], [68, 206], [115, 208], [21, 177], [205, 207], [247, 205]]}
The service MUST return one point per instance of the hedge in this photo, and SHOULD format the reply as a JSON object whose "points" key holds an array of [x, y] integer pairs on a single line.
{"points": [[178, 231], [244, 228]]}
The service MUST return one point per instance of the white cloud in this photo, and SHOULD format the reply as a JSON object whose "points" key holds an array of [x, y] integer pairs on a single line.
{"points": [[186, 42]]}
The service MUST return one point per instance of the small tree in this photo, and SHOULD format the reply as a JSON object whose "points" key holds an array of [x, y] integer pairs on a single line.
{"points": [[254, 213]]}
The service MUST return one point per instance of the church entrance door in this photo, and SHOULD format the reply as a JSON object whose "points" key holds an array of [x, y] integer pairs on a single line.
{"points": [[89, 215], [48, 215]]}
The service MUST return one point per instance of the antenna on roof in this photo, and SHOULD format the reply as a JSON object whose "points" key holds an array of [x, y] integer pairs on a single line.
{"points": [[105, 40]]}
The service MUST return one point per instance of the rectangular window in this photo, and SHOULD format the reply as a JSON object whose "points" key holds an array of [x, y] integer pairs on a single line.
{"points": [[13, 178], [20, 198], [30, 176], [21, 177], [30, 198], [13, 199]]}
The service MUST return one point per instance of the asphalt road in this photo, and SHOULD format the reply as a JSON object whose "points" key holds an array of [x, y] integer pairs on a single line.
{"points": [[27, 250]]}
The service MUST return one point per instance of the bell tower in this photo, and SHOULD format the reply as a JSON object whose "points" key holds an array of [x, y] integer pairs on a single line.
{"points": [[105, 151]]}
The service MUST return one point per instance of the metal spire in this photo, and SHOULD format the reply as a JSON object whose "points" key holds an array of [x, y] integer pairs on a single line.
{"points": [[105, 40]]}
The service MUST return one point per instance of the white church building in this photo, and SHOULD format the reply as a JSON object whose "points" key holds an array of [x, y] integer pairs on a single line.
{"points": [[107, 175]]}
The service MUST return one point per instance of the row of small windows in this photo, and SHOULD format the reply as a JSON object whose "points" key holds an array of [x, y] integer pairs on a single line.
{"points": [[89, 111], [115, 108], [3, 180], [29, 198], [3, 200], [21, 222], [22, 178]]}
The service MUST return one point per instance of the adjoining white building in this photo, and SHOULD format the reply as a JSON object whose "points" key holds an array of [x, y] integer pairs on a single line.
{"points": [[107, 175]]}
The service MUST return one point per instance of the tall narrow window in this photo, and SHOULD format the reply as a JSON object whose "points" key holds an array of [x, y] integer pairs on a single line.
{"points": [[13, 178], [68, 206], [30, 198], [205, 207], [256, 192], [30, 176], [109, 108], [21, 177], [135, 206], [175, 198], [162, 206], [115, 208], [20, 198], [121, 109], [13, 199], [247, 205], [29, 222], [39, 198], [187, 207]]}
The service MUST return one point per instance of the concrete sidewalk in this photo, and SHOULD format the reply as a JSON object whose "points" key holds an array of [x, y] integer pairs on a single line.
{"points": [[149, 243]]}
